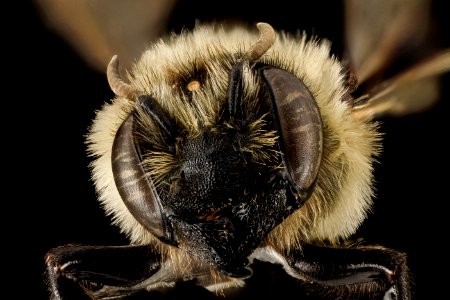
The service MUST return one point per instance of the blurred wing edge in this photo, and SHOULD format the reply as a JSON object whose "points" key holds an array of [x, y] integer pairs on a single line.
{"points": [[99, 29], [391, 47], [412, 91]]}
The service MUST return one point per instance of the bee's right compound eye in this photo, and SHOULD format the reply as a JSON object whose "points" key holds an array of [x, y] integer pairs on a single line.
{"points": [[136, 189]]}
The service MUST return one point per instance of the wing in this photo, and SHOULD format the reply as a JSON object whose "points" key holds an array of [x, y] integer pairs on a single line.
{"points": [[411, 91], [391, 48], [99, 29]]}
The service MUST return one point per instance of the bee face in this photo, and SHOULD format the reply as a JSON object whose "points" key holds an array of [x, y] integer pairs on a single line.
{"points": [[213, 187], [229, 153]]}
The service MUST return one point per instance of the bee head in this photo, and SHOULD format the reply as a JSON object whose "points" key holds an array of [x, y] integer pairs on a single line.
{"points": [[217, 193]]}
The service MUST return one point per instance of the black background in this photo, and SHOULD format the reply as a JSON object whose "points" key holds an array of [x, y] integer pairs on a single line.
{"points": [[52, 99]]}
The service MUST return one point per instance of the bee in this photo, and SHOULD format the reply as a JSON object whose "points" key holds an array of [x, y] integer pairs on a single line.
{"points": [[224, 147]]}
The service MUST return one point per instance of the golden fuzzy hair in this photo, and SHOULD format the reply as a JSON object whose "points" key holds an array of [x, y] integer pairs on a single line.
{"points": [[189, 74]]}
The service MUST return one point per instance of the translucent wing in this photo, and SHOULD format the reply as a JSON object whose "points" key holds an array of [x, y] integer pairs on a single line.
{"points": [[411, 91], [99, 29], [381, 34]]}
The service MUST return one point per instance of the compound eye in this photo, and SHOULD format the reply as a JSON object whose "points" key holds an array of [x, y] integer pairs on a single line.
{"points": [[135, 187], [299, 126]]}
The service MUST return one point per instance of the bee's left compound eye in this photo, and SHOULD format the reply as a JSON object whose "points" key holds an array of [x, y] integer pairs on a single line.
{"points": [[299, 126]]}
